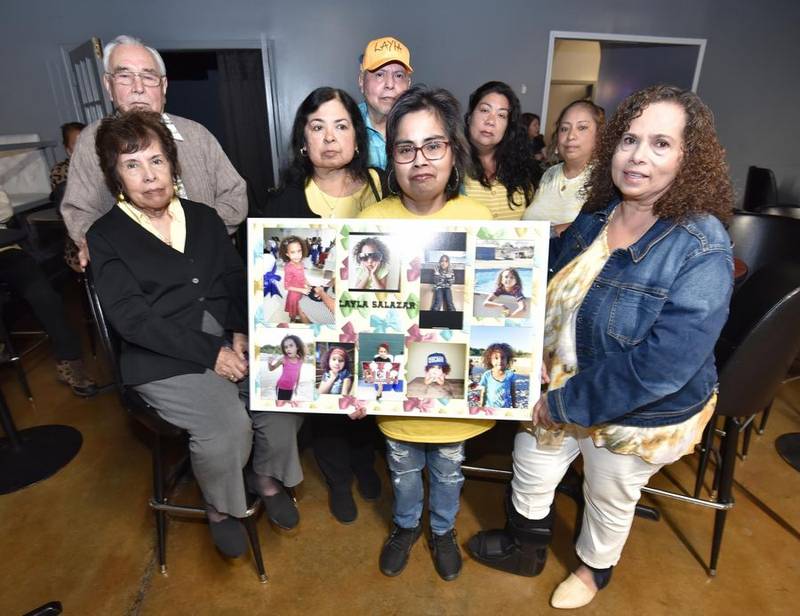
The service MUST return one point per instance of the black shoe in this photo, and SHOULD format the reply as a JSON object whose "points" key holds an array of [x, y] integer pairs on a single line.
{"points": [[369, 484], [446, 555], [342, 505], [229, 537], [394, 555], [281, 510]]}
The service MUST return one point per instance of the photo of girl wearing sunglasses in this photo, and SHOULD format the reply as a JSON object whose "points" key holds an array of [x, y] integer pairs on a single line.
{"points": [[373, 266]]}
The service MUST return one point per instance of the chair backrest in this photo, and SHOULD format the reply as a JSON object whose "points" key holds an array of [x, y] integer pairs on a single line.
{"points": [[760, 339], [111, 343], [760, 239], [790, 211], [761, 189]]}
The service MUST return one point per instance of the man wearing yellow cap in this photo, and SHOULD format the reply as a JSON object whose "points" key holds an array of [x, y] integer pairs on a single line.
{"points": [[385, 74]]}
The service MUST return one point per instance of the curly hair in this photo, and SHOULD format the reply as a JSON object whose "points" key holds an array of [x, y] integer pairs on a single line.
{"points": [[127, 133], [499, 288], [445, 106], [372, 241], [505, 351], [283, 248], [300, 169], [702, 184], [301, 346], [597, 112], [334, 350], [512, 155]]}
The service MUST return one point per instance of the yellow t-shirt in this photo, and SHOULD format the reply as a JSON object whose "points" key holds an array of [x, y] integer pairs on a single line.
{"points": [[460, 208], [326, 206], [559, 199], [496, 199], [431, 430]]}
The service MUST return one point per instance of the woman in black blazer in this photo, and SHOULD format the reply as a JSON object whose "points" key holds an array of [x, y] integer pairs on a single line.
{"points": [[173, 288]]}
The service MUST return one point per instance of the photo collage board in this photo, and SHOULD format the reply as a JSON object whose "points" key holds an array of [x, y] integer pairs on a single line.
{"points": [[426, 318]]}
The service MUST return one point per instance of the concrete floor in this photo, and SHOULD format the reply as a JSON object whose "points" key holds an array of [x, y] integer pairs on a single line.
{"points": [[85, 537]]}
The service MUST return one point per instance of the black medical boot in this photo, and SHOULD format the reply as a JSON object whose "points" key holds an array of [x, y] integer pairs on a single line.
{"points": [[520, 548]]}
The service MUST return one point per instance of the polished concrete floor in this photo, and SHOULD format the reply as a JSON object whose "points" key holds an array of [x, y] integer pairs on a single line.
{"points": [[85, 537]]}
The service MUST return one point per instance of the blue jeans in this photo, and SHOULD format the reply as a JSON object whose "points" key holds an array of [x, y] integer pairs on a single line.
{"points": [[406, 461], [443, 297]]}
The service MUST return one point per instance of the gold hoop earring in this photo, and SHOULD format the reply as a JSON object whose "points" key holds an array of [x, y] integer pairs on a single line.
{"points": [[458, 181], [389, 182]]}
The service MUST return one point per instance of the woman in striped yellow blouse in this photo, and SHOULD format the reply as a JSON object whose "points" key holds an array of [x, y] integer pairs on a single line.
{"points": [[502, 174]]}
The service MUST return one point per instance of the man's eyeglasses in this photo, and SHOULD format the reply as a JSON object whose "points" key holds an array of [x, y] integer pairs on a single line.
{"points": [[405, 153], [126, 78], [371, 256]]}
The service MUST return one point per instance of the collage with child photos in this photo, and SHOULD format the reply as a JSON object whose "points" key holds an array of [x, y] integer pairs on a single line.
{"points": [[411, 318]]}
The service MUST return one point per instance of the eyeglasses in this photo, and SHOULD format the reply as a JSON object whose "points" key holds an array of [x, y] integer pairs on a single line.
{"points": [[126, 78], [371, 256], [405, 153]]}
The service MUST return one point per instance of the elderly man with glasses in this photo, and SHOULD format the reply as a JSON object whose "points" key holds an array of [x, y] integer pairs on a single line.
{"points": [[385, 74], [135, 78]]}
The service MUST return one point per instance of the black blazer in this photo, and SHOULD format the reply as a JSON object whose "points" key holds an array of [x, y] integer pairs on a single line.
{"points": [[290, 201], [155, 297]]}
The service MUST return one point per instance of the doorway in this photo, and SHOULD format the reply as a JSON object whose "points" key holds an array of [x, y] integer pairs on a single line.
{"points": [[224, 91]]}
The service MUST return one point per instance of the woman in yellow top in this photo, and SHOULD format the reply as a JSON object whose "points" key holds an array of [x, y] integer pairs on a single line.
{"points": [[560, 196], [502, 172], [328, 176], [427, 155]]}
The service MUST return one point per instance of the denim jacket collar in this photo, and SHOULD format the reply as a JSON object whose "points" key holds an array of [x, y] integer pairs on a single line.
{"points": [[639, 249]]}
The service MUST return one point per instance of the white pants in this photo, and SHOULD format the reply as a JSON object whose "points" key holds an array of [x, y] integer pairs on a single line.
{"points": [[611, 487]]}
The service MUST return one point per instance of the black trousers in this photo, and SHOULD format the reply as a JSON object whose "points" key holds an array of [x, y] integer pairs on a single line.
{"points": [[343, 446], [22, 273]]}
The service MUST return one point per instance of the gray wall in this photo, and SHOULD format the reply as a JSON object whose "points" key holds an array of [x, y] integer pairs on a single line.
{"points": [[749, 75]]}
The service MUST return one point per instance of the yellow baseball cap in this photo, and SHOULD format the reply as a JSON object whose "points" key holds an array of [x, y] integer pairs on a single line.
{"points": [[383, 51]]}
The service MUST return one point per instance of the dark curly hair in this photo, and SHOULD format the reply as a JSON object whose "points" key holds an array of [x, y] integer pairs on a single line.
{"points": [[336, 349], [498, 347], [446, 107], [300, 168], [283, 248], [127, 133], [301, 346], [702, 184], [512, 155], [373, 241]]}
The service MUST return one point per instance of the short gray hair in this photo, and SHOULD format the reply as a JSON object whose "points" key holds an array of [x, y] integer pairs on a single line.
{"points": [[124, 39]]}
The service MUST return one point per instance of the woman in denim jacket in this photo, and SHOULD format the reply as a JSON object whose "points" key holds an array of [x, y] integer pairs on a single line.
{"points": [[640, 290]]}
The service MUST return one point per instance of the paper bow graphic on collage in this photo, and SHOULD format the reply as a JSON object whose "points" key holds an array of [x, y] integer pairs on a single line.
{"points": [[414, 270], [270, 282], [346, 402], [423, 405], [344, 271], [486, 410], [414, 335], [379, 325], [348, 333]]}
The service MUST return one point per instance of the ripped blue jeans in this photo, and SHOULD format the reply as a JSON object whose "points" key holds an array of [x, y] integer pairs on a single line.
{"points": [[443, 460]]}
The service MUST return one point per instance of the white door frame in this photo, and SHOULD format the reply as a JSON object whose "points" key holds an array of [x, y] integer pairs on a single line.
{"points": [[624, 38]]}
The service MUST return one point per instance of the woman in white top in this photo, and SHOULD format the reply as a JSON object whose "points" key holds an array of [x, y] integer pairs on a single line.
{"points": [[560, 195]]}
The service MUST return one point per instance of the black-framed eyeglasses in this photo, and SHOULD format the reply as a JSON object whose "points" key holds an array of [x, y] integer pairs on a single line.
{"points": [[371, 256], [405, 153], [126, 78]]}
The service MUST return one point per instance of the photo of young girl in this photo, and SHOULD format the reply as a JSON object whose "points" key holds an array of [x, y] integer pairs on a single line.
{"points": [[436, 370], [295, 280], [503, 279], [380, 375], [501, 376], [284, 363], [442, 281], [335, 368], [372, 267]]}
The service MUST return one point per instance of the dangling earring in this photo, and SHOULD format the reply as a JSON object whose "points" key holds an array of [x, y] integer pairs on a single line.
{"points": [[389, 182], [304, 151], [356, 150], [120, 196], [458, 181]]}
